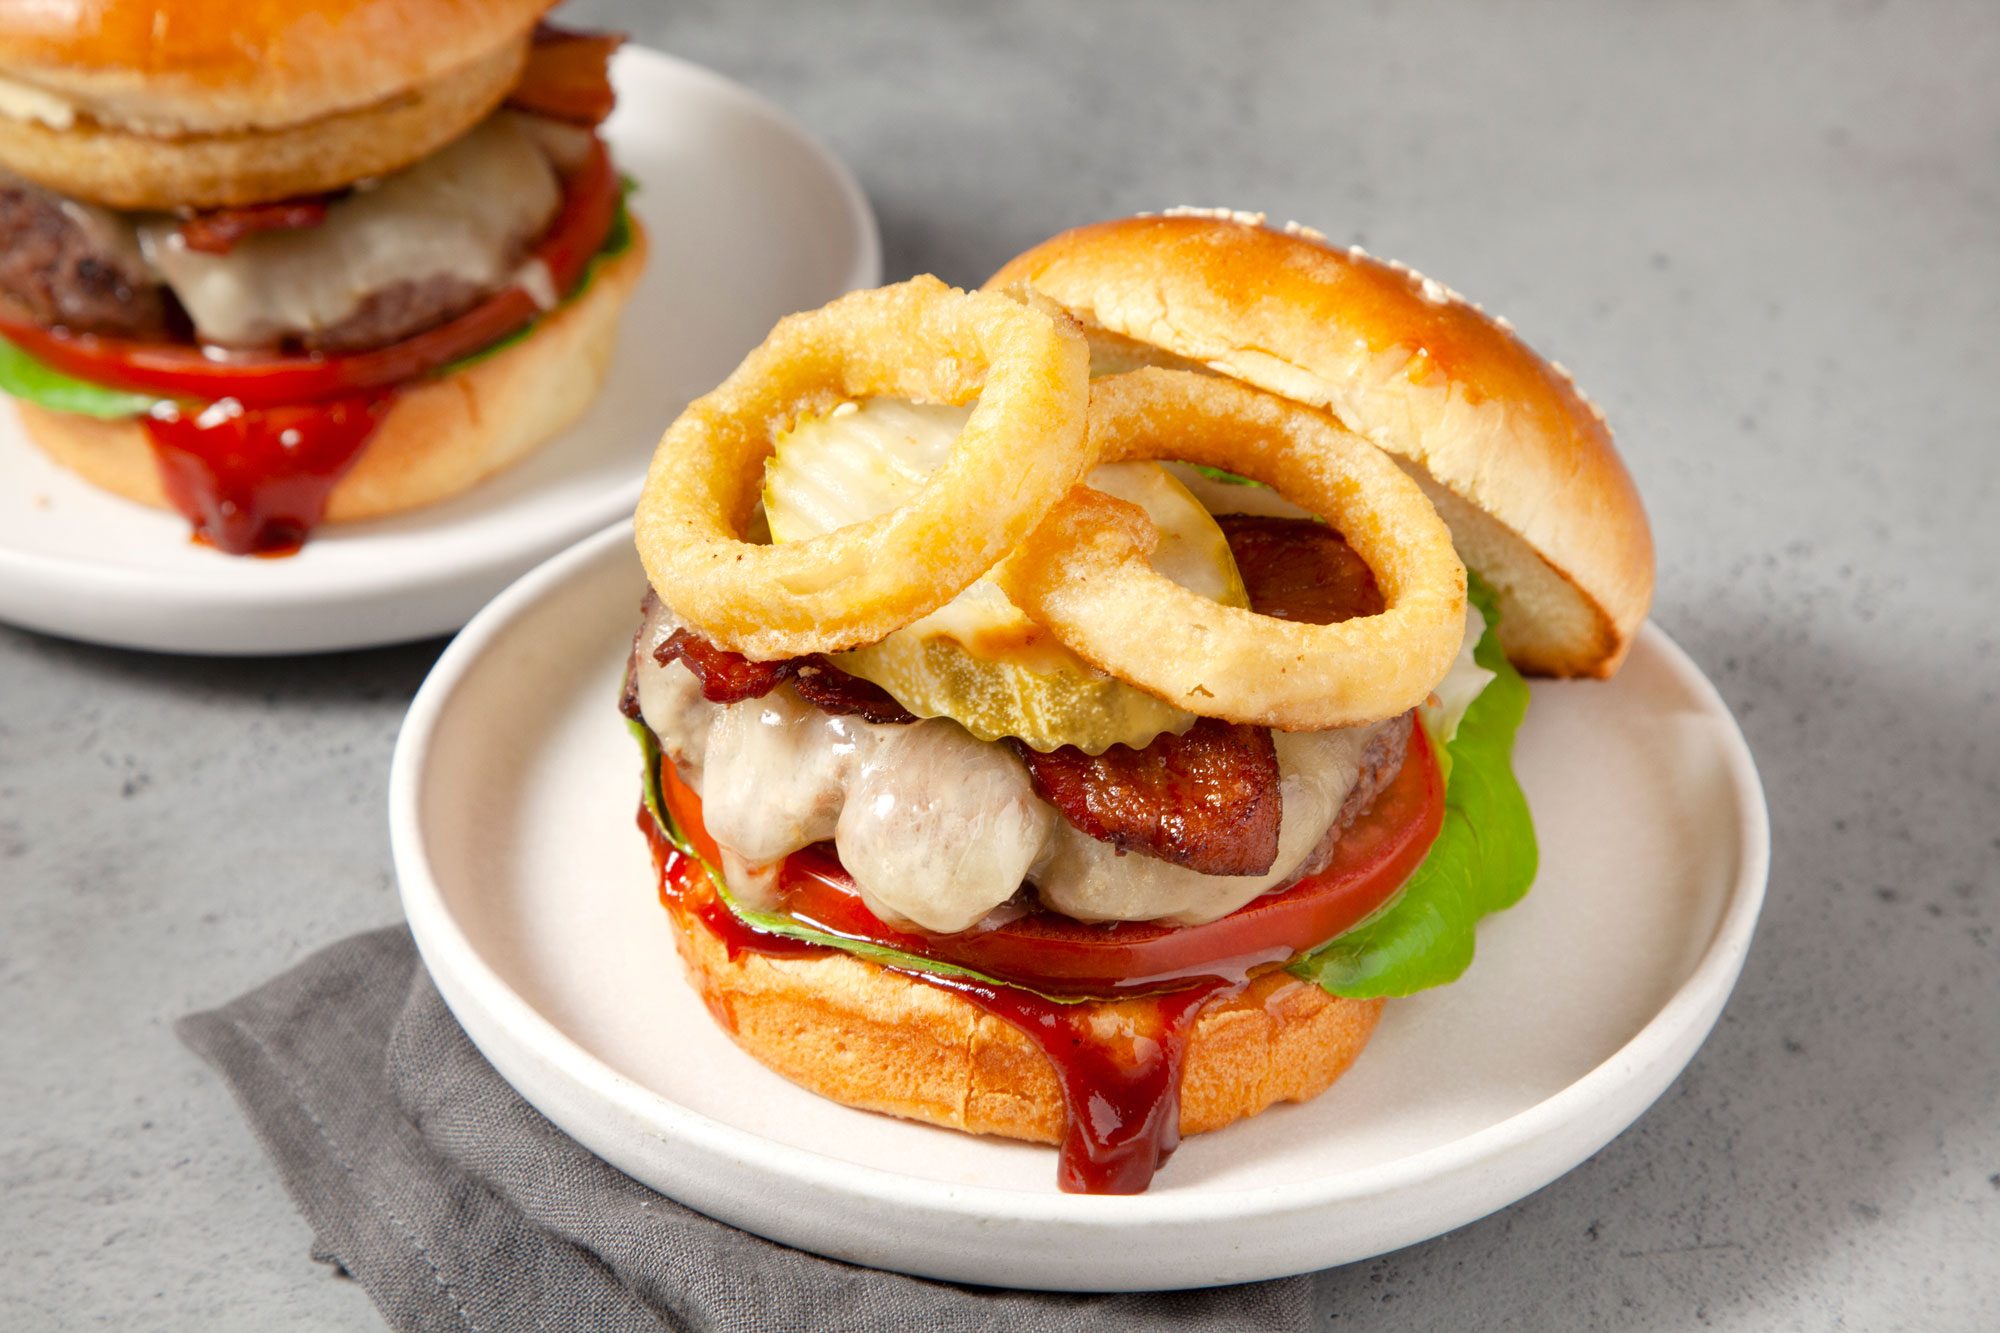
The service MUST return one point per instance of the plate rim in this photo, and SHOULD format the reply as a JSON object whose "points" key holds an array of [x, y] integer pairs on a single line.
{"points": [[235, 587], [446, 948]]}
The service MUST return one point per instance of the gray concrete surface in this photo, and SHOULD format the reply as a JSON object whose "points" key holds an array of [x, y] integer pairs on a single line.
{"points": [[1766, 238]]}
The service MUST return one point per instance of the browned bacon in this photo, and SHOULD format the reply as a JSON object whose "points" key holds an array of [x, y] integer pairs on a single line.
{"points": [[1207, 800], [726, 677], [729, 678], [1296, 569], [568, 75], [832, 690], [217, 231]]}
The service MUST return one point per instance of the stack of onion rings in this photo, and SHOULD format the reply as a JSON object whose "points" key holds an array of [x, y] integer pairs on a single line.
{"points": [[1008, 499]]}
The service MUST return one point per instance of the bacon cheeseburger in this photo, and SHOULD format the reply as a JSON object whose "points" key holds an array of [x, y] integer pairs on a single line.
{"points": [[1066, 715], [279, 263]]}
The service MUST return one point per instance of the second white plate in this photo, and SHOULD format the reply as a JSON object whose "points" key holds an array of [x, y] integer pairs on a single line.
{"points": [[528, 888], [750, 220]]}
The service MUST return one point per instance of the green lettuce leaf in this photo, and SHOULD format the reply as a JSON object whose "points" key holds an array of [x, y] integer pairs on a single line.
{"points": [[1483, 860], [649, 783], [779, 924], [26, 378], [1226, 478]]}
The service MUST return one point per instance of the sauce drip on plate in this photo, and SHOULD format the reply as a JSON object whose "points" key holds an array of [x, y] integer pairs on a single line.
{"points": [[255, 480]]}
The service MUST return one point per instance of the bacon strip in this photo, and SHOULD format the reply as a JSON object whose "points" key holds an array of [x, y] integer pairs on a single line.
{"points": [[217, 231], [726, 677], [729, 678], [832, 690], [1207, 800], [1296, 569], [568, 75]]}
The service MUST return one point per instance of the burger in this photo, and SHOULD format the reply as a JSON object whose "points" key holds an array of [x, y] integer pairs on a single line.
{"points": [[1071, 709], [288, 264]]}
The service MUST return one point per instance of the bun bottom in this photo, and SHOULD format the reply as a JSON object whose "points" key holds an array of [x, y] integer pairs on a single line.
{"points": [[867, 1037], [439, 438]]}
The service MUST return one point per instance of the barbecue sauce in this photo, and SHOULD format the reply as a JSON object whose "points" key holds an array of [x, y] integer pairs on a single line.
{"points": [[1118, 1062], [255, 480]]}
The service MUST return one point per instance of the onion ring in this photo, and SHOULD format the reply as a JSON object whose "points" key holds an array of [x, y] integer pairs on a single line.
{"points": [[1023, 449], [1083, 573]]}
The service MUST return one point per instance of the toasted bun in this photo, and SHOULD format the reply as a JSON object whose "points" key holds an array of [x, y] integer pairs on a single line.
{"points": [[868, 1037], [438, 440], [1517, 461], [198, 67], [126, 167]]}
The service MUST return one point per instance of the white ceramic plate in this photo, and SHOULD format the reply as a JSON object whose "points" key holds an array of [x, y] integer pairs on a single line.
{"points": [[750, 220], [531, 895]]}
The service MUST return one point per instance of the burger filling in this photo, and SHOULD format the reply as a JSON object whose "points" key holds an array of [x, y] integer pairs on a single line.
{"points": [[942, 830], [388, 261], [375, 265]]}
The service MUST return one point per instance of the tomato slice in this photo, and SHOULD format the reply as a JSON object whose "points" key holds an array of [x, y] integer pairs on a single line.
{"points": [[1055, 954], [263, 379]]}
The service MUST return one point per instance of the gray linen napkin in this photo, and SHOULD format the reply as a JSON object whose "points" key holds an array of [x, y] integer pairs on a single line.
{"points": [[458, 1206]]}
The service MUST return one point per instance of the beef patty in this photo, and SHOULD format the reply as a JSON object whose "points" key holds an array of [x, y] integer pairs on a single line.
{"points": [[398, 311], [62, 265]]}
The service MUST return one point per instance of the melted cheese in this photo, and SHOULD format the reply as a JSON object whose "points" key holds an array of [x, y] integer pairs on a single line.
{"points": [[462, 213]]}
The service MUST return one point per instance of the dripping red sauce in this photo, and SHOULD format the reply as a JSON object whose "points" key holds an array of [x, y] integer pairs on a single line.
{"points": [[255, 480], [1118, 1062]]}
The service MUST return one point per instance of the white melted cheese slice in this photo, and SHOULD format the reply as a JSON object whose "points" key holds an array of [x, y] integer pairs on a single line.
{"points": [[462, 213]]}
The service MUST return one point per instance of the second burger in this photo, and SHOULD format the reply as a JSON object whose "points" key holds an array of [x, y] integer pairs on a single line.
{"points": [[307, 263]]}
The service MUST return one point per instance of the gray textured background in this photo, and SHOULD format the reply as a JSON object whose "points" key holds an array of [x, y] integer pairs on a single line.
{"points": [[1766, 238]]}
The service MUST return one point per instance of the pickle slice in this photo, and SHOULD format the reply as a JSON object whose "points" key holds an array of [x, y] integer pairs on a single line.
{"points": [[979, 660]]}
